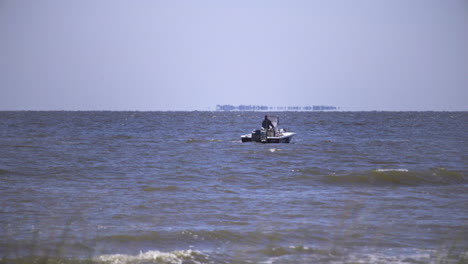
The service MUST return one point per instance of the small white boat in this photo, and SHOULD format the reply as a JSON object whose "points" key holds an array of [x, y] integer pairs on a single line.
{"points": [[272, 135]]}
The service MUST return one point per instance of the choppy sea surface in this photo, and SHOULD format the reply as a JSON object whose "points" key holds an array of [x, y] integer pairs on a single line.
{"points": [[180, 187]]}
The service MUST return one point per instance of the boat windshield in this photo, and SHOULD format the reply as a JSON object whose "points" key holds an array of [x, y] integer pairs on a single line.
{"points": [[274, 120]]}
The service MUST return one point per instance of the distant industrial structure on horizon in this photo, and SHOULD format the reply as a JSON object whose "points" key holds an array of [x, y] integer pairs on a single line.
{"points": [[273, 108]]}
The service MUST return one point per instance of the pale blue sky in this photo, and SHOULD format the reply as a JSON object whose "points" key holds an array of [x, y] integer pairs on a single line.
{"points": [[191, 55]]}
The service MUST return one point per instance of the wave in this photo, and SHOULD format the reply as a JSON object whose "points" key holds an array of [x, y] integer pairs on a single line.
{"points": [[224, 246], [404, 177], [160, 189], [302, 254], [210, 238], [173, 257], [192, 140], [185, 236], [3, 172], [268, 254], [121, 136], [152, 256]]}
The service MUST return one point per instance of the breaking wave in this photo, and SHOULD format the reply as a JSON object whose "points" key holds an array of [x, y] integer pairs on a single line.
{"points": [[174, 257], [286, 254]]}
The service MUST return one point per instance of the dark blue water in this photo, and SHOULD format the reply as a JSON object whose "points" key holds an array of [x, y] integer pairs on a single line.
{"points": [[180, 187]]}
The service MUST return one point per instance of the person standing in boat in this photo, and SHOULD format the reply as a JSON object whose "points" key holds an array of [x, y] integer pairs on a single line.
{"points": [[266, 124]]}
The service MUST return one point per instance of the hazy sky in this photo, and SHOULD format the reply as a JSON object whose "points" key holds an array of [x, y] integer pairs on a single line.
{"points": [[192, 55]]}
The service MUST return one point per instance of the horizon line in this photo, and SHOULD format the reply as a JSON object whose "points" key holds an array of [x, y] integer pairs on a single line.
{"points": [[196, 110]]}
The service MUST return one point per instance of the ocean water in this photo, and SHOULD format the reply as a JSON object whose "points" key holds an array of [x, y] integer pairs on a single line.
{"points": [[180, 187]]}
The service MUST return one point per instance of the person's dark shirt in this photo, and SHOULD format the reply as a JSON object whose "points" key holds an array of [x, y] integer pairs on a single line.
{"points": [[267, 124]]}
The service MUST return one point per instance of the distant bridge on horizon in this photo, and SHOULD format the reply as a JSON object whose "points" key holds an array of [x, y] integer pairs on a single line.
{"points": [[274, 108]]}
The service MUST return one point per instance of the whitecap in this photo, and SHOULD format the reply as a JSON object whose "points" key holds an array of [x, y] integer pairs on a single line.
{"points": [[174, 257], [391, 170]]}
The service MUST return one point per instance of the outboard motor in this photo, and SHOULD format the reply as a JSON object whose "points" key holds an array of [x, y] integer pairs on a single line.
{"points": [[256, 135], [263, 136]]}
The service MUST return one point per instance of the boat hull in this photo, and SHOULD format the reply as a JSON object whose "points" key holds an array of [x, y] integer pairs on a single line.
{"points": [[284, 138]]}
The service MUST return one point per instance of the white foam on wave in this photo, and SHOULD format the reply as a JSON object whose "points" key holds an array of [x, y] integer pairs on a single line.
{"points": [[153, 256], [392, 170], [422, 257]]}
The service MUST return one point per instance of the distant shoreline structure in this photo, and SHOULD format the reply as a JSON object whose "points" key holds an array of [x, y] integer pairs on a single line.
{"points": [[263, 108]]}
